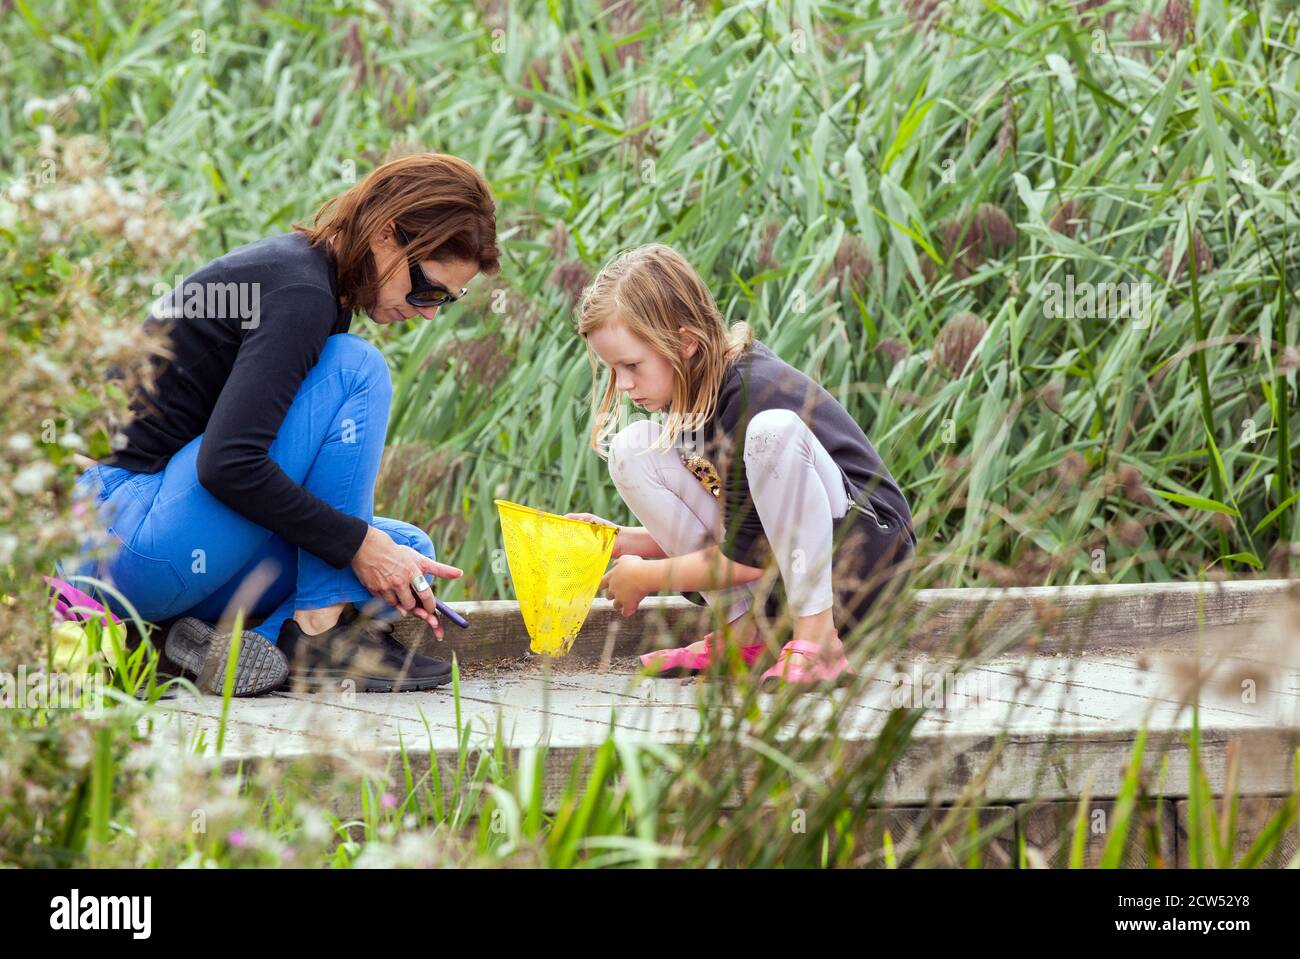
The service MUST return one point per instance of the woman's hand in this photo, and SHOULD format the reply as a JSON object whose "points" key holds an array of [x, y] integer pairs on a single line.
{"points": [[630, 580], [387, 569]]}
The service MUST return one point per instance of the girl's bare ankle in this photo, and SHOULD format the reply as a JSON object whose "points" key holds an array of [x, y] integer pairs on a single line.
{"points": [[819, 630], [827, 644], [742, 631]]}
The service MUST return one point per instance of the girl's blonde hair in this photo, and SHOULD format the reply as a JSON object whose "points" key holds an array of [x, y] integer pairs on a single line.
{"points": [[654, 292]]}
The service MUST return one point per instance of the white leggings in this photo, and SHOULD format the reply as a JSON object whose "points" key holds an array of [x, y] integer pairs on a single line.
{"points": [[797, 490]]}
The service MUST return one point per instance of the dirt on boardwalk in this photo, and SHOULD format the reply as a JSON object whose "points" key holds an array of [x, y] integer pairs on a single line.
{"points": [[558, 666]]}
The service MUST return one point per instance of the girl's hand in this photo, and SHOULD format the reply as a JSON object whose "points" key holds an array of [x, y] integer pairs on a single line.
{"points": [[387, 569], [620, 538], [630, 580], [629, 541], [591, 518]]}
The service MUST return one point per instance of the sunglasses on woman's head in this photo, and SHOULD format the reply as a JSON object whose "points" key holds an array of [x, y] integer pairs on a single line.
{"points": [[424, 292]]}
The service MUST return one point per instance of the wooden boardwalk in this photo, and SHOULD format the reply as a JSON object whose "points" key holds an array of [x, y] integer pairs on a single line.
{"points": [[1078, 620], [1014, 729]]}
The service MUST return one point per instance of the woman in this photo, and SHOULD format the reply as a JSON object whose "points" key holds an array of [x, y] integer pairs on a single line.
{"points": [[258, 448]]}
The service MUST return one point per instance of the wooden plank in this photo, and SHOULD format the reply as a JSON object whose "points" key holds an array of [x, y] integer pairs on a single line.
{"points": [[1081, 620], [908, 827], [1070, 726], [1253, 814], [1076, 762], [1070, 619], [1048, 830], [945, 831], [1048, 728], [497, 631]]}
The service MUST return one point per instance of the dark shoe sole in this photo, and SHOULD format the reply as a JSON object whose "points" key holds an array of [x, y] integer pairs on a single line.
{"points": [[316, 679], [192, 645]]}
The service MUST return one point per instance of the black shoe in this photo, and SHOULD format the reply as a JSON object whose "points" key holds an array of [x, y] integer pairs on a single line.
{"points": [[201, 649], [360, 648]]}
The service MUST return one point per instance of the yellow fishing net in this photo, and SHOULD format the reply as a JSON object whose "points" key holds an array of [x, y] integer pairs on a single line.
{"points": [[556, 565]]}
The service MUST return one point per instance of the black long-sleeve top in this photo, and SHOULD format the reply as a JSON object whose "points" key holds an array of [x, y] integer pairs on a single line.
{"points": [[245, 330]]}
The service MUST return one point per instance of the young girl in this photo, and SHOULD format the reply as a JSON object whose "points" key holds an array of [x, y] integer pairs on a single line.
{"points": [[753, 461]]}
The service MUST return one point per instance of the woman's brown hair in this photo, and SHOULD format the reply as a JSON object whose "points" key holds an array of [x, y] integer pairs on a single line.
{"points": [[441, 202]]}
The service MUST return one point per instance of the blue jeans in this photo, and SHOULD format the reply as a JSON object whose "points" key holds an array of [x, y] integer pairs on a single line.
{"points": [[178, 551]]}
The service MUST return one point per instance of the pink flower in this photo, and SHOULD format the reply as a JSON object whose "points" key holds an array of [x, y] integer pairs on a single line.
{"points": [[388, 801], [237, 838]]}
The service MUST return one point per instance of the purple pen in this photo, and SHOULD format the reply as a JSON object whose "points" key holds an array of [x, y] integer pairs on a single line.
{"points": [[451, 614]]}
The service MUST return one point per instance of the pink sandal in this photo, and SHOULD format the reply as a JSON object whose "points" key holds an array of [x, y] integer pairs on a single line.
{"points": [[800, 673], [689, 661]]}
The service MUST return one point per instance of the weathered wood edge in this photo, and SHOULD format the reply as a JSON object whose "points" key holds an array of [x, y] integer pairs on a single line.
{"points": [[1047, 619], [933, 769]]}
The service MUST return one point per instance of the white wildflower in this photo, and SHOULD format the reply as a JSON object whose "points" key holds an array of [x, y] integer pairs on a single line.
{"points": [[315, 827], [33, 478], [33, 107], [43, 363], [48, 147], [8, 546], [78, 748], [134, 229]]}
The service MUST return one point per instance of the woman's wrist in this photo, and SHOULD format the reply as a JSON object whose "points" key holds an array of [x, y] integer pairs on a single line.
{"points": [[367, 541]]}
